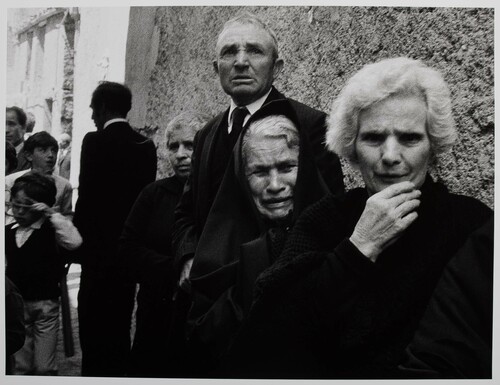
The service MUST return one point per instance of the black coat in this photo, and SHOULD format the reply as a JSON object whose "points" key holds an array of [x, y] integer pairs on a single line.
{"points": [[454, 337], [323, 310], [206, 173], [238, 243], [116, 164], [146, 251]]}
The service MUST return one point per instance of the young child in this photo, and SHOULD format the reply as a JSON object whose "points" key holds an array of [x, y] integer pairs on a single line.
{"points": [[35, 266], [41, 150]]}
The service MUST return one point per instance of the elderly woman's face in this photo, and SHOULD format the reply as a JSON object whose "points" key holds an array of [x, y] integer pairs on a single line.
{"points": [[392, 144], [180, 150], [271, 170]]}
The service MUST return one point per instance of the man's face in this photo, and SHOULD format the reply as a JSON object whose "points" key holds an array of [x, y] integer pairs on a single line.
{"points": [[43, 159], [14, 131], [392, 145], [245, 62], [180, 149], [21, 208], [271, 170], [98, 116]]}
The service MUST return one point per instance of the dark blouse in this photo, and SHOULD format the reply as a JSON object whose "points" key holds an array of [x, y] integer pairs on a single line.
{"points": [[323, 310]]}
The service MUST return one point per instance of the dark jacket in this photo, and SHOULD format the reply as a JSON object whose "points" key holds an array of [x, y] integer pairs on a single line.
{"points": [[22, 161], [146, 251], [323, 310], [206, 173], [116, 164], [238, 243], [454, 337]]}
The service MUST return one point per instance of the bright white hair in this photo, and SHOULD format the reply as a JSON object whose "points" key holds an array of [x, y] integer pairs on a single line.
{"points": [[378, 81]]}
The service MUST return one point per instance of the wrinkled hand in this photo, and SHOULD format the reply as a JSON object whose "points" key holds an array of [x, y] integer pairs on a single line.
{"points": [[386, 216], [184, 283], [42, 207]]}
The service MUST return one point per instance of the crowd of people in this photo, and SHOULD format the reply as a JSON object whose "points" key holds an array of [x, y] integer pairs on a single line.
{"points": [[252, 260]]}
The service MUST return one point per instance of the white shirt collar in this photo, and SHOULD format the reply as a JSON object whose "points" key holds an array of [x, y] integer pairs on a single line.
{"points": [[115, 120], [19, 147], [252, 108]]}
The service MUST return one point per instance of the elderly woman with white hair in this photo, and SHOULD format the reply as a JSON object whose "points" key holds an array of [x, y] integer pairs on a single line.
{"points": [[345, 297], [146, 251], [271, 178]]}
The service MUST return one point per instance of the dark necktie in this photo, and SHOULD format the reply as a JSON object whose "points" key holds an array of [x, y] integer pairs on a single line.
{"points": [[238, 118]]}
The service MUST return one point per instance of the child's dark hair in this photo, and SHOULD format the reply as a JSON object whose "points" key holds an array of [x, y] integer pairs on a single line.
{"points": [[36, 186], [41, 139]]}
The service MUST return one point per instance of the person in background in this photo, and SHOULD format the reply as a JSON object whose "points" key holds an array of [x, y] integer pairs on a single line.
{"points": [[63, 164], [15, 128], [247, 63], [116, 164], [146, 250], [34, 264], [41, 151], [30, 124]]}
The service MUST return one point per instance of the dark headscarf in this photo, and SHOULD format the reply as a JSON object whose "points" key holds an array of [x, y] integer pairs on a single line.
{"points": [[234, 221]]}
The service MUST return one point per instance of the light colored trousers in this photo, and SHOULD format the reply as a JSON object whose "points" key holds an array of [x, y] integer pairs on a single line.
{"points": [[38, 355]]}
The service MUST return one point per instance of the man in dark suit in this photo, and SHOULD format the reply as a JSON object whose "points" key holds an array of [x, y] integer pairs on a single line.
{"points": [[247, 64], [116, 163], [15, 128]]}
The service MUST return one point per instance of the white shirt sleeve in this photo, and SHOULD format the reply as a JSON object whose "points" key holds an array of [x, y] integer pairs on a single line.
{"points": [[67, 235]]}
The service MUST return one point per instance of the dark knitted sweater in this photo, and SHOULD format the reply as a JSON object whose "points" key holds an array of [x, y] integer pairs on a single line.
{"points": [[323, 310], [36, 267]]}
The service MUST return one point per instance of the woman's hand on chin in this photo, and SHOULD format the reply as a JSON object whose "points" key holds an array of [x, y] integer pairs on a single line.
{"points": [[386, 216]]}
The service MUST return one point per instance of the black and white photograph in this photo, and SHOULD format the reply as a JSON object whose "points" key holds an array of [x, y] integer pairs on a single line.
{"points": [[239, 193]]}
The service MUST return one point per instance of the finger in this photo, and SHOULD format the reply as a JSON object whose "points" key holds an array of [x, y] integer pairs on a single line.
{"points": [[397, 200], [406, 208], [396, 189], [407, 220]]}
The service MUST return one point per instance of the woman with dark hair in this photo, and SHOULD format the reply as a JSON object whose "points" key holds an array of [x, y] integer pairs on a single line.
{"points": [[270, 179], [345, 297]]}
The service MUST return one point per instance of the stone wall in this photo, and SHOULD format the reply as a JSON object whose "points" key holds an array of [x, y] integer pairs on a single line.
{"points": [[322, 47]]}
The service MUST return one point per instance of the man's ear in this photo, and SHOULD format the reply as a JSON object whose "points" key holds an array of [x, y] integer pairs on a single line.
{"points": [[215, 66], [278, 67], [28, 156]]}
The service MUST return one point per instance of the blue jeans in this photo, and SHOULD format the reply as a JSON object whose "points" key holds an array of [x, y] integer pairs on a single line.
{"points": [[38, 355]]}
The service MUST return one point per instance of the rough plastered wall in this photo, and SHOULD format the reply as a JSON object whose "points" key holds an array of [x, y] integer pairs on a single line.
{"points": [[322, 47]]}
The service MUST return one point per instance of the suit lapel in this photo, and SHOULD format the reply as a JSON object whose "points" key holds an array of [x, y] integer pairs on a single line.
{"points": [[207, 153]]}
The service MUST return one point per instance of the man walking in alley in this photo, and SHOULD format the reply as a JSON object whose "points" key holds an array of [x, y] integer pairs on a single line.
{"points": [[116, 163]]}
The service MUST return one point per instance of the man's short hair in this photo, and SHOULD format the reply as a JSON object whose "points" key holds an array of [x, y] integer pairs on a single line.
{"points": [[246, 18], [39, 187], [41, 139], [195, 120], [21, 115], [115, 96]]}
